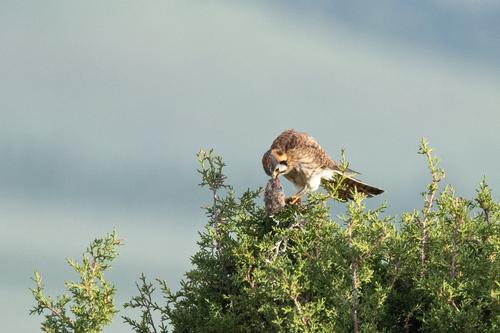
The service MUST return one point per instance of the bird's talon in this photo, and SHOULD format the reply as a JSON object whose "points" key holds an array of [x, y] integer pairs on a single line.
{"points": [[293, 200]]}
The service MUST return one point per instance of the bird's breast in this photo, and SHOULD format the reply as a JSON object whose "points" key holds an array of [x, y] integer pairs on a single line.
{"points": [[301, 174]]}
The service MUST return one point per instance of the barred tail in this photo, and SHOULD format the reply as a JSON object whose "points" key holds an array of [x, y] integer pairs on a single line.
{"points": [[350, 185]]}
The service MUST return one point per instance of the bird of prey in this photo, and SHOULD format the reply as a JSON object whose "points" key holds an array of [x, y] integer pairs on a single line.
{"points": [[300, 159], [274, 197]]}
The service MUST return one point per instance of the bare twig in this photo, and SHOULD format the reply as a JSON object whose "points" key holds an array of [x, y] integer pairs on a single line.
{"points": [[354, 283], [459, 220], [437, 175], [60, 315], [355, 297], [298, 306]]}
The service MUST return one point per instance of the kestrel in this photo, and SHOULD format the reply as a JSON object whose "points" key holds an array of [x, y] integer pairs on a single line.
{"points": [[300, 158]]}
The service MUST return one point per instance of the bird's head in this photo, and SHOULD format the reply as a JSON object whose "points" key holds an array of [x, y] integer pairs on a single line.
{"points": [[274, 163]]}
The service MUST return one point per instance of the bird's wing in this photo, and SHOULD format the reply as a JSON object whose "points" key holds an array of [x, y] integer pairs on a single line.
{"points": [[287, 140], [301, 146]]}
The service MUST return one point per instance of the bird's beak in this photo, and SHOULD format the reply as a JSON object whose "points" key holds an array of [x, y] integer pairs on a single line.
{"points": [[279, 169], [274, 172]]}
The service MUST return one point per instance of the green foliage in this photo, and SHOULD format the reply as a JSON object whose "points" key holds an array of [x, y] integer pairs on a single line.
{"points": [[434, 269], [448, 279], [89, 305], [300, 271], [148, 306]]}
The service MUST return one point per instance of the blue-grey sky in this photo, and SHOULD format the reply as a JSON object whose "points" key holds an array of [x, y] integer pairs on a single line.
{"points": [[103, 105]]}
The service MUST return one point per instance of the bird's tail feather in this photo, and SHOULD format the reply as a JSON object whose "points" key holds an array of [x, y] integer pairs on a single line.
{"points": [[350, 185]]}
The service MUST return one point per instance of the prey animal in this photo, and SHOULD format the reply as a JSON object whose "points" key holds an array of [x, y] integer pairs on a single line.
{"points": [[300, 159], [274, 197]]}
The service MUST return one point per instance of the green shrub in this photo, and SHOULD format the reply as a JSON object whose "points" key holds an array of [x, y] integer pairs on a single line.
{"points": [[434, 270], [89, 306]]}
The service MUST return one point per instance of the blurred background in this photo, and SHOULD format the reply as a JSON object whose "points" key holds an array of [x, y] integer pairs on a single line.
{"points": [[104, 104]]}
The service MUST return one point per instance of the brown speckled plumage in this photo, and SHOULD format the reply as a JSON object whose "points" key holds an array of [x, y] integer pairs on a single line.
{"points": [[274, 197], [299, 146], [308, 165]]}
